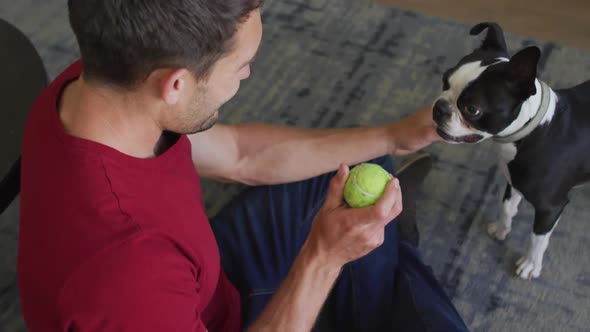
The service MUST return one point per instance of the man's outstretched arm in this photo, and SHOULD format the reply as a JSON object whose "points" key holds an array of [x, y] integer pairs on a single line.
{"points": [[267, 154]]}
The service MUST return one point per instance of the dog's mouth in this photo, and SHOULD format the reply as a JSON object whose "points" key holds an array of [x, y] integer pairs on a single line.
{"points": [[461, 139]]}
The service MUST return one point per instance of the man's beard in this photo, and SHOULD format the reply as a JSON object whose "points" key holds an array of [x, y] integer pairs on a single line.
{"points": [[201, 104], [207, 124]]}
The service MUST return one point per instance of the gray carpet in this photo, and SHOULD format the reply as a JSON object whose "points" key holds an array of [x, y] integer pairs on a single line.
{"points": [[337, 63]]}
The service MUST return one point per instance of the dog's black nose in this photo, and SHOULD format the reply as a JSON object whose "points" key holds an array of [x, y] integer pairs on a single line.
{"points": [[441, 110]]}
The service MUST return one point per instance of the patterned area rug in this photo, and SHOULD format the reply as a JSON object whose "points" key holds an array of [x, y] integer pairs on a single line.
{"points": [[339, 63]]}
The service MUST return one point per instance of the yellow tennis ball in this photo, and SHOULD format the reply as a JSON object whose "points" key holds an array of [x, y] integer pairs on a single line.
{"points": [[365, 185]]}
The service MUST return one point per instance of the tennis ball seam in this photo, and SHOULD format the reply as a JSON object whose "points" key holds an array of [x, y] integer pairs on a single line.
{"points": [[354, 180]]}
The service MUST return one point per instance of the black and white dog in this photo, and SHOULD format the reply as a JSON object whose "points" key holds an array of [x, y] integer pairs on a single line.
{"points": [[543, 135]]}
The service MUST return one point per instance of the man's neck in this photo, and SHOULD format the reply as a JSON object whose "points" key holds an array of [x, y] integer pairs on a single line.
{"points": [[122, 121]]}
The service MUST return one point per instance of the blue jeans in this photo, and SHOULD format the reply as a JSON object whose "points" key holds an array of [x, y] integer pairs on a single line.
{"points": [[261, 232]]}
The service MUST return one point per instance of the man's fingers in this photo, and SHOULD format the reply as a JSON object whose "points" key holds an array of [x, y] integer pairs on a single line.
{"points": [[390, 204], [385, 209], [397, 208]]}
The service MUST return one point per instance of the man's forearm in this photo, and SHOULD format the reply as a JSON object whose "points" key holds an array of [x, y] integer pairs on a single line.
{"points": [[297, 303], [275, 154]]}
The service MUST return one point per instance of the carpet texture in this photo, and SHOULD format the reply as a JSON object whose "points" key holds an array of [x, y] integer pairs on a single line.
{"points": [[340, 63]]}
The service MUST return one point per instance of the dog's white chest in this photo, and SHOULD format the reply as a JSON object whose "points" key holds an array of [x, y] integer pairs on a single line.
{"points": [[506, 153]]}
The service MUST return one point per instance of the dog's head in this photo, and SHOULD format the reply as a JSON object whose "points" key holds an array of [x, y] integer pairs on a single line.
{"points": [[483, 94]]}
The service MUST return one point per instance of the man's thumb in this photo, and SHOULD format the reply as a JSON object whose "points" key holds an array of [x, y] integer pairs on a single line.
{"points": [[334, 196]]}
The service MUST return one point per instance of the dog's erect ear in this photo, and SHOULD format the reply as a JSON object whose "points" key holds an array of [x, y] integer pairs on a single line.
{"points": [[494, 40], [522, 71]]}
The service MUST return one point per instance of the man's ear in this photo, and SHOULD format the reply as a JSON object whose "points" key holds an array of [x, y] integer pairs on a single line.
{"points": [[172, 84]]}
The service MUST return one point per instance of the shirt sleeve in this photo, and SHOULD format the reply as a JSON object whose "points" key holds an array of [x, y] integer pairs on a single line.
{"points": [[146, 284]]}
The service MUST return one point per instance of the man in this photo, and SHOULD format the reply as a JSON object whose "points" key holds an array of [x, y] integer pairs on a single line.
{"points": [[113, 232]]}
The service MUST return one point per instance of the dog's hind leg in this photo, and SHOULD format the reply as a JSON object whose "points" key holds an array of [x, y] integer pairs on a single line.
{"points": [[500, 229], [546, 219]]}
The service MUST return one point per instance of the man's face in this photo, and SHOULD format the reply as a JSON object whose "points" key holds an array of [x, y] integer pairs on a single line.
{"points": [[224, 80]]}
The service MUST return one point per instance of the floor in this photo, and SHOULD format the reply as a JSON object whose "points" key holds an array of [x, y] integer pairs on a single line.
{"points": [[332, 68], [563, 21]]}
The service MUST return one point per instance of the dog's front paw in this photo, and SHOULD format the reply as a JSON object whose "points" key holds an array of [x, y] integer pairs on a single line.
{"points": [[498, 231], [527, 268]]}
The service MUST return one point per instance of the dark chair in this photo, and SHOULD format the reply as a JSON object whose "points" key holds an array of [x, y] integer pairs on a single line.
{"points": [[22, 78]]}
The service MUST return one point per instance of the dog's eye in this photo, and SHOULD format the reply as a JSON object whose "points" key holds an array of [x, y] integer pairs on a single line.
{"points": [[472, 110]]}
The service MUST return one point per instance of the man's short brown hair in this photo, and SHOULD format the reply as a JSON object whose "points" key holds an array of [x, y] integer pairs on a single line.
{"points": [[123, 41]]}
